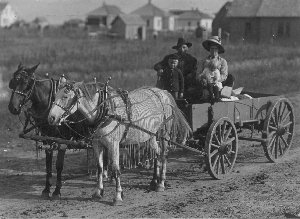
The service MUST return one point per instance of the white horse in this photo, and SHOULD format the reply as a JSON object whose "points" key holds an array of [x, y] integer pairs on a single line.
{"points": [[145, 114]]}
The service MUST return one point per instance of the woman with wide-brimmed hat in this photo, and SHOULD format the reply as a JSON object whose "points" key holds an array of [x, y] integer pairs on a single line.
{"points": [[186, 63], [214, 47]]}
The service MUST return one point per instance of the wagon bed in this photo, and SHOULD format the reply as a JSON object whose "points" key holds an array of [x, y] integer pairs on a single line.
{"points": [[218, 127]]}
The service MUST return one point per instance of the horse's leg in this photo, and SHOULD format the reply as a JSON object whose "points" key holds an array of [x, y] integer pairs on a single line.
{"points": [[99, 157], [105, 163], [49, 155], [116, 173], [59, 169], [161, 186], [154, 181]]}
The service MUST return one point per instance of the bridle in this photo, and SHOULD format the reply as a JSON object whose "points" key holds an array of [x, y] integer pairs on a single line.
{"points": [[67, 110], [28, 94], [101, 107]]}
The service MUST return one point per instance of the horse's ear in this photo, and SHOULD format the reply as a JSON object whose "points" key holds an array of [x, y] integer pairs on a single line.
{"points": [[32, 69]]}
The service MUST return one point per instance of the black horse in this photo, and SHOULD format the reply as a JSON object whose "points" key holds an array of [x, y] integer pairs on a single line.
{"points": [[41, 92]]}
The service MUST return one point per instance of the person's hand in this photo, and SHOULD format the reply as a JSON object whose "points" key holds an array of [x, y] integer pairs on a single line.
{"points": [[204, 82], [180, 95], [159, 72]]}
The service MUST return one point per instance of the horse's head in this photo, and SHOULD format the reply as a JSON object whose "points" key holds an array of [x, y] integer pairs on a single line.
{"points": [[65, 103], [22, 85]]}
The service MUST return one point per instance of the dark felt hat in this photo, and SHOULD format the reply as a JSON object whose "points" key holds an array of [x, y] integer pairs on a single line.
{"points": [[213, 41], [181, 41]]}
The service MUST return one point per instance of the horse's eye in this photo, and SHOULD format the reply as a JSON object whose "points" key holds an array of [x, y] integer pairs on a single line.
{"points": [[67, 91]]}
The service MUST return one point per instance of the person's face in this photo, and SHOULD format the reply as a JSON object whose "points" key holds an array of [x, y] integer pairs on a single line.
{"points": [[183, 49], [173, 63], [214, 51]]}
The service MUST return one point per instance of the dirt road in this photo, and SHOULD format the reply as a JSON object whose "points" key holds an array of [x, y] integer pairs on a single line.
{"points": [[255, 189]]}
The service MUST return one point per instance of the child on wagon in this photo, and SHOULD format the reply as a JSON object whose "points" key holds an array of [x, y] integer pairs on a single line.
{"points": [[171, 78], [211, 79]]}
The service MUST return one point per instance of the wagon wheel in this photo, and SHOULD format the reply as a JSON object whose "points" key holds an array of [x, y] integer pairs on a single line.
{"points": [[221, 147], [278, 129]]}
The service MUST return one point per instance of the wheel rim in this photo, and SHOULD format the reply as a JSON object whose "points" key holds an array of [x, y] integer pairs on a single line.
{"points": [[221, 148], [279, 129]]}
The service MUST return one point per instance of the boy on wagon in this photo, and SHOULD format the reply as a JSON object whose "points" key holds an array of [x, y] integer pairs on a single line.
{"points": [[171, 78]]}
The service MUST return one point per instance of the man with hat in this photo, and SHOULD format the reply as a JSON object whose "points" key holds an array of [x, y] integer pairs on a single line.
{"points": [[171, 78], [214, 46], [186, 63]]}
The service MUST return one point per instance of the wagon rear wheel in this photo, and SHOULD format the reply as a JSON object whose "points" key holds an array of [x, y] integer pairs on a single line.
{"points": [[279, 129], [221, 147]]}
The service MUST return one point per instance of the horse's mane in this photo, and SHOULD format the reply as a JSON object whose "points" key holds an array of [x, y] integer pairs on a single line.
{"points": [[90, 89]]}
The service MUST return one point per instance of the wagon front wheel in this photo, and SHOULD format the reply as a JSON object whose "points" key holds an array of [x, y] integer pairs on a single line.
{"points": [[221, 147], [278, 129]]}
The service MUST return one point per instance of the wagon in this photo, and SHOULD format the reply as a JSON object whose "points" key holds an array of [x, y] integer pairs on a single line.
{"points": [[217, 128]]}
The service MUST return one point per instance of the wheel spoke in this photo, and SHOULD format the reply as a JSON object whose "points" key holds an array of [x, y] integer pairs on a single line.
{"points": [[220, 133], [218, 165], [229, 140], [227, 133], [273, 120], [276, 147], [227, 160], [215, 146], [223, 130], [280, 147], [215, 162], [279, 111], [283, 112], [272, 127], [222, 164], [275, 116], [272, 141], [287, 124], [213, 153], [284, 142], [285, 117], [216, 138]]}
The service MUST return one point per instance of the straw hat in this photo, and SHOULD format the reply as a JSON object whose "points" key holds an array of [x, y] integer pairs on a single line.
{"points": [[181, 41], [213, 41]]}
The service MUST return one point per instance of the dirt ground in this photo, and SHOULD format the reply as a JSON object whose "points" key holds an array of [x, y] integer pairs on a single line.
{"points": [[255, 188]]}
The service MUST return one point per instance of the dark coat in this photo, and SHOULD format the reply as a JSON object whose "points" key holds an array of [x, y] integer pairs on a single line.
{"points": [[186, 63], [171, 80]]}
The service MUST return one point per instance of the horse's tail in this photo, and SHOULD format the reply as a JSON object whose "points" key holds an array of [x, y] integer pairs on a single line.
{"points": [[180, 129]]}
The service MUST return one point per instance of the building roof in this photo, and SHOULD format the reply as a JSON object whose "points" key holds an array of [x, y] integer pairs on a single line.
{"points": [[150, 10], [193, 15], [105, 10], [265, 8], [130, 19]]}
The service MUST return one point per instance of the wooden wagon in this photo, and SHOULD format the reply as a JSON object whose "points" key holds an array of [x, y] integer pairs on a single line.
{"points": [[218, 127]]}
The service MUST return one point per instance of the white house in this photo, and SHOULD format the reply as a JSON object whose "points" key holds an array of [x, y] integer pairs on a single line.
{"points": [[7, 15], [155, 18]]}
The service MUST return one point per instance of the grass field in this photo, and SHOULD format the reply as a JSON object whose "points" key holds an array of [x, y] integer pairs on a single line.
{"points": [[259, 68]]}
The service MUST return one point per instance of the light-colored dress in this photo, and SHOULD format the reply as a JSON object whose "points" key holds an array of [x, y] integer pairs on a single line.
{"points": [[212, 77]]}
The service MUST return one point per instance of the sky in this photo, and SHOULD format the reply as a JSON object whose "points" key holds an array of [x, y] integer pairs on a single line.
{"points": [[58, 11]]}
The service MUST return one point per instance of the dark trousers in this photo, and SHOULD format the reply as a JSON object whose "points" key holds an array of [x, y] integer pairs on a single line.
{"points": [[229, 81], [213, 90]]}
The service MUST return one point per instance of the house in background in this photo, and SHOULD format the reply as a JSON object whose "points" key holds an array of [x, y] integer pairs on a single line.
{"points": [[8, 16], [221, 21], [102, 17], [75, 23], [189, 20], [156, 19], [128, 27], [265, 20]]}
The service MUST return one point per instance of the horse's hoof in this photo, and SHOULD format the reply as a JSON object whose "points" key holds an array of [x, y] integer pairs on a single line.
{"points": [[153, 185], [55, 196], [160, 188], [97, 195], [45, 195], [117, 202]]}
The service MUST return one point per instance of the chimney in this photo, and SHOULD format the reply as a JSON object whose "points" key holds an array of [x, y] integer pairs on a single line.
{"points": [[149, 2]]}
